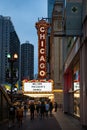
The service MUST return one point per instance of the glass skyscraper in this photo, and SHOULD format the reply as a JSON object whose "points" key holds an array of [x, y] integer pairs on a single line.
{"points": [[9, 42], [50, 9]]}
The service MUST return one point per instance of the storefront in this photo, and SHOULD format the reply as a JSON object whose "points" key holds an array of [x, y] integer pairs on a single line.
{"points": [[76, 89], [72, 81]]}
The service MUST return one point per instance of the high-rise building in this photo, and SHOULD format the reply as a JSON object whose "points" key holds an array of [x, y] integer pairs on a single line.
{"points": [[50, 5], [9, 44], [15, 49], [50, 8], [27, 61]]}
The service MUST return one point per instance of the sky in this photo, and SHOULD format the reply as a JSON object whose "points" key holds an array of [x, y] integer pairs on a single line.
{"points": [[24, 14]]}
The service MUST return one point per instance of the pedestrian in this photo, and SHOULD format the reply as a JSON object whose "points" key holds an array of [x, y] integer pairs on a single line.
{"points": [[32, 109], [25, 109], [50, 107], [11, 115], [19, 115], [42, 109], [55, 106], [47, 108], [38, 108]]}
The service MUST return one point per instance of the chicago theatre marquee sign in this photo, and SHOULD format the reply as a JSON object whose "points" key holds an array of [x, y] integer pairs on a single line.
{"points": [[42, 27]]}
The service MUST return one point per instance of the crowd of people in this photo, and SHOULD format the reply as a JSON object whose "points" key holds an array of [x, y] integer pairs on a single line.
{"points": [[42, 109], [39, 109]]}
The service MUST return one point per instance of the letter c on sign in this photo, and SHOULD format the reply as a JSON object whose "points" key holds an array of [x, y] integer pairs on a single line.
{"points": [[42, 29]]}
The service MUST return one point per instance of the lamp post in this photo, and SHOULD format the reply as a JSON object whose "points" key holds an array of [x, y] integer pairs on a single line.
{"points": [[11, 60]]}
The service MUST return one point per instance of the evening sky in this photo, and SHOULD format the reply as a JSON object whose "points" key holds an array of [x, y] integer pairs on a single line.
{"points": [[24, 14]]}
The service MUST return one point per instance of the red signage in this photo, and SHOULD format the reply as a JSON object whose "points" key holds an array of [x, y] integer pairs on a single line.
{"points": [[42, 27]]}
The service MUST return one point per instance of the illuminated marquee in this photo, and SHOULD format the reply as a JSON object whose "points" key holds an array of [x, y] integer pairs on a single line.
{"points": [[38, 86], [42, 27]]}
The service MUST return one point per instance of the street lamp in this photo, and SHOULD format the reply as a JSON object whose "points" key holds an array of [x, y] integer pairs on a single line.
{"points": [[11, 60]]}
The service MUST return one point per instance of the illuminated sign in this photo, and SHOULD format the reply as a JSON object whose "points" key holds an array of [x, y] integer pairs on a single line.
{"points": [[42, 27], [38, 87], [76, 86]]}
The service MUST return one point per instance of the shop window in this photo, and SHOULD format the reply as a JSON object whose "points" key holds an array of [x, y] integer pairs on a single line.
{"points": [[76, 88]]}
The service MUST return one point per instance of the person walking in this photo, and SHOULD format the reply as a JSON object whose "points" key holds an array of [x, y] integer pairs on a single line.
{"points": [[32, 109], [38, 108], [42, 109], [47, 108], [19, 115], [55, 106], [25, 110], [11, 116], [50, 107]]}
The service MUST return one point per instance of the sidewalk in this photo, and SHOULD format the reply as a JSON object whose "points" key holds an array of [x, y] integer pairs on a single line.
{"points": [[67, 122], [46, 123], [59, 121]]}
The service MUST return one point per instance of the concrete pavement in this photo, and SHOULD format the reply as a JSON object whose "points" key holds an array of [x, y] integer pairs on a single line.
{"points": [[67, 122], [59, 121], [49, 123]]}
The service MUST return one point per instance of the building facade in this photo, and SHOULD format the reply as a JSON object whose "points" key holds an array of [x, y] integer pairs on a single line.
{"points": [[75, 70], [50, 9], [8, 44], [56, 46], [15, 49], [83, 68], [73, 56], [27, 61], [50, 5]]}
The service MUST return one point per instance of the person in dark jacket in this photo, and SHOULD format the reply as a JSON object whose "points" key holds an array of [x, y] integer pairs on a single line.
{"points": [[55, 106], [11, 115], [50, 108], [32, 109], [38, 108], [42, 109]]}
